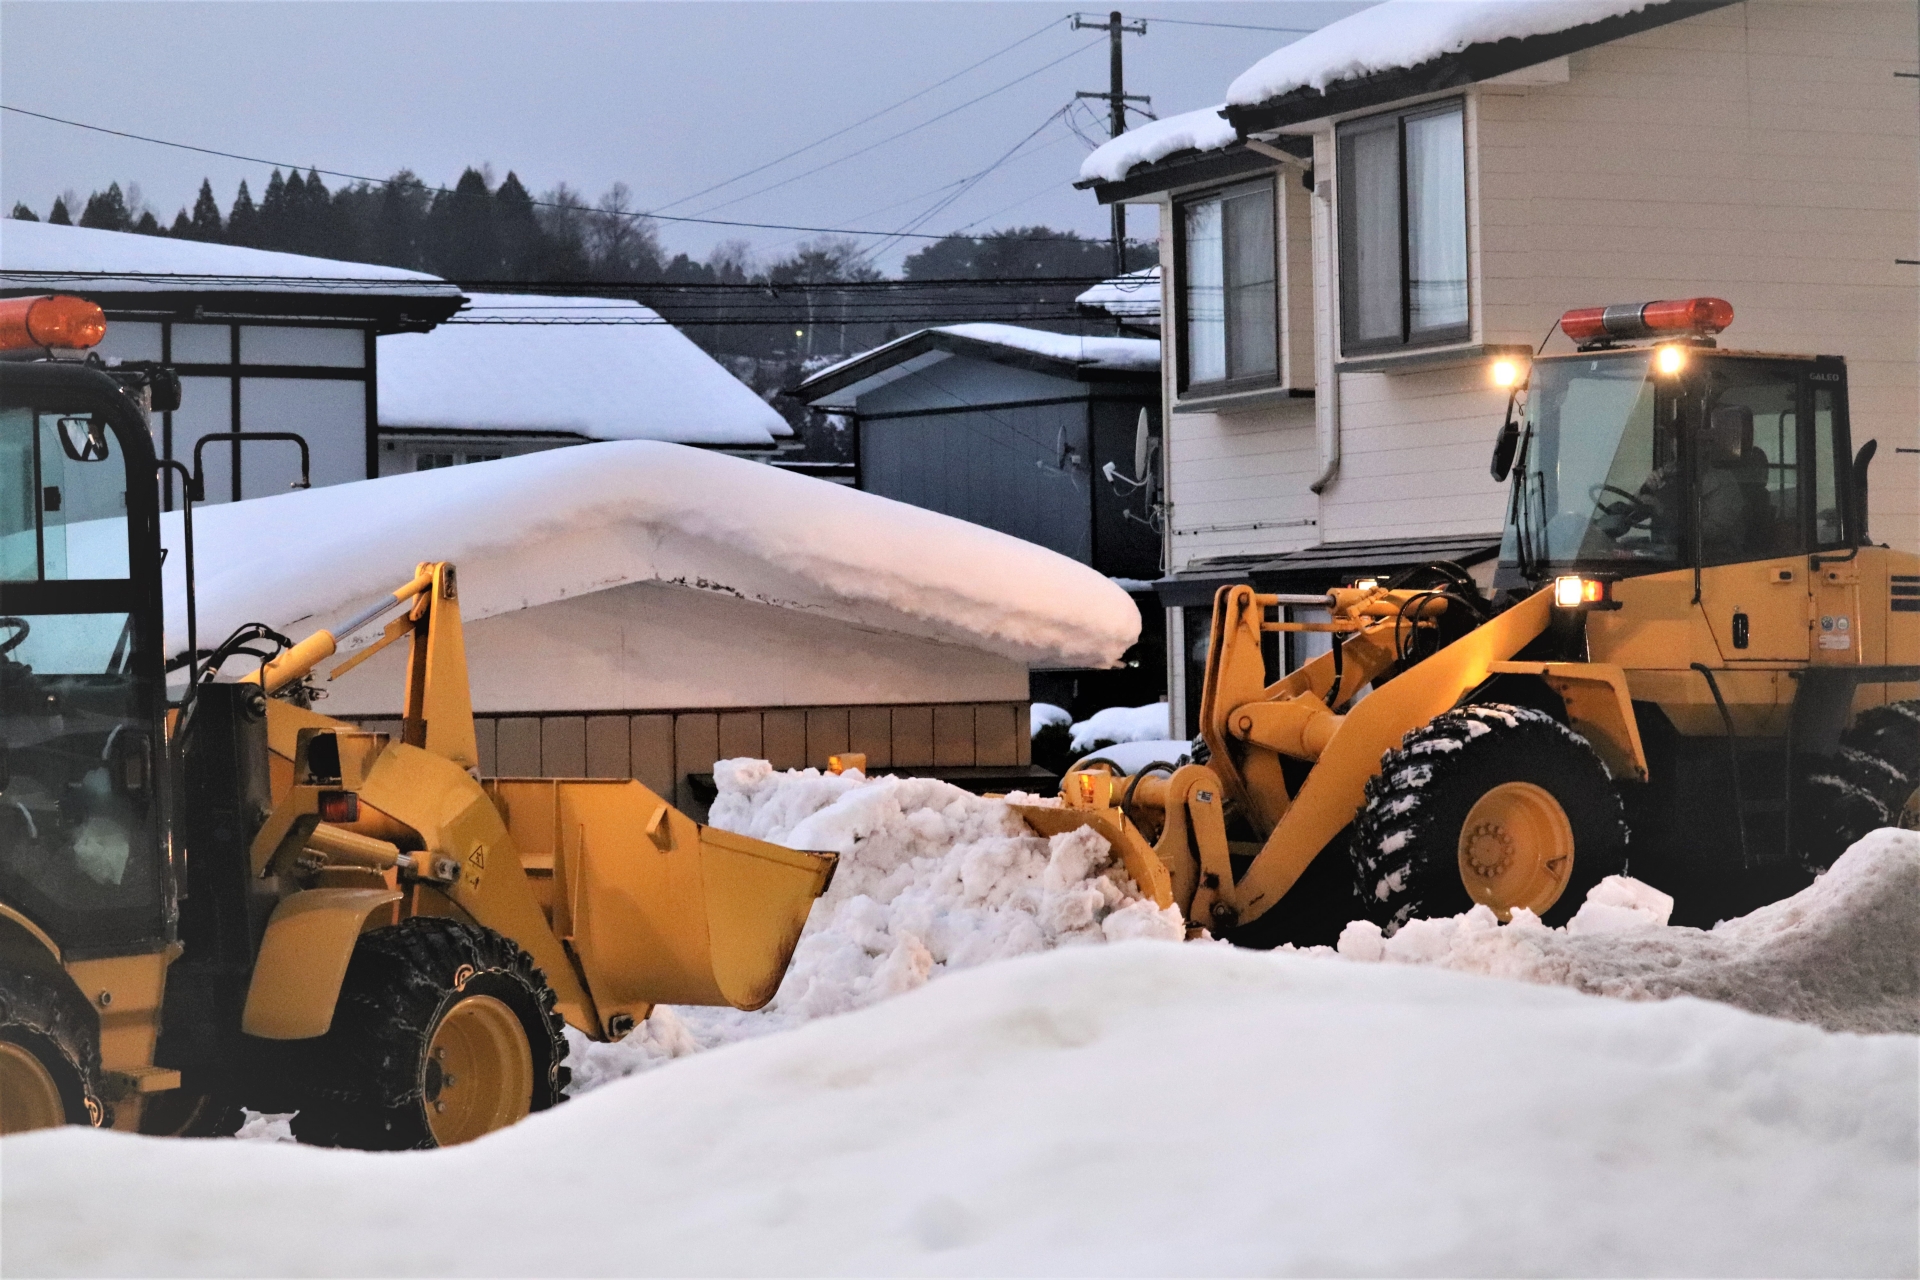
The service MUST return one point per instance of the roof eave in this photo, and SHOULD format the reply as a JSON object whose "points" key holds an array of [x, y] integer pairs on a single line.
{"points": [[1473, 64], [899, 351], [1191, 169]]}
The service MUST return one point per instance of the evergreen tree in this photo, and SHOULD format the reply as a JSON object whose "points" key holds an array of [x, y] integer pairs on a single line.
{"points": [[466, 244], [400, 221], [243, 220], [182, 227], [563, 236], [297, 231], [24, 214], [107, 210], [318, 237], [58, 217], [205, 223], [521, 250], [148, 224], [273, 214]]}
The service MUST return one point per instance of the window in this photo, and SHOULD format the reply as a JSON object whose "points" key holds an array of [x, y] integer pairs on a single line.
{"points": [[1229, 305], [1403, 229]]}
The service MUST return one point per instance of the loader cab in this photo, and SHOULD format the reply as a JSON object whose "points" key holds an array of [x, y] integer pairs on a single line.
{"points": [[82, 823], [1636, 458]]}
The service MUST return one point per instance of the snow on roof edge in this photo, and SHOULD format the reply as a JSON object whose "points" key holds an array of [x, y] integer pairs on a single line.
{"points": [[1203, 130], [542, 527]]}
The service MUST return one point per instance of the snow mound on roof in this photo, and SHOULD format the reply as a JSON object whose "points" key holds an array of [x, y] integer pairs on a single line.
{"points": [[519, 362], [546, 526], [51, 251], [1122, 724], [1093, 352], [1203, 130], [931, 880], [1037, 1117], [1406, 33], [1135, 294], [1844, 953]]}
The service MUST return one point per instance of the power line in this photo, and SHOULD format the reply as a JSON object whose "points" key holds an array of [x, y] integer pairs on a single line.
{"points": [[1232, 26], [904, 132], [543, 204], [1049, 25]]}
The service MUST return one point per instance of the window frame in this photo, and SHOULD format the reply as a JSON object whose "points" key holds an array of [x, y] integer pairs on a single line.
{"points": [[1185, 387], [1344, 230]]}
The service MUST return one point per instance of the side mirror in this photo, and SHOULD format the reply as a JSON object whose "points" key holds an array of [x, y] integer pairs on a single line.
{"points": [[1507, 443], [163, 391], [83, 439], [1861, 461]]}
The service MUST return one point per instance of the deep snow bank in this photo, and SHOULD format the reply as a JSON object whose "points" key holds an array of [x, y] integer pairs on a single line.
{"points": [[1844, 953], [931, 879], [1136, 1109]]}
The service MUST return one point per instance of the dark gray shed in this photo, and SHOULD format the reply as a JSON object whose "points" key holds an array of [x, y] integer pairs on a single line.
{"points": [[1036, 434]]}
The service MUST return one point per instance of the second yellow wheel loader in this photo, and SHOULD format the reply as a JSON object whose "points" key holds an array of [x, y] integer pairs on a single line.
{"points": [[1695, 663], [230, 900]]}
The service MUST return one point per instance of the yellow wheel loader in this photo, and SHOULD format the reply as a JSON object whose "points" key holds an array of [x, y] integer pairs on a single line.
{"points": [[230, 900], [1693, 662]]}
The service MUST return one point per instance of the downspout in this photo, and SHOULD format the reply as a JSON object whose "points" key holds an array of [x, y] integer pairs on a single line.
{"points": [[1326, 369]]}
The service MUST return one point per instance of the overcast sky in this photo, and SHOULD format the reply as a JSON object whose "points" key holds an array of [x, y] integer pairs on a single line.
{"points": [[667, 97]]}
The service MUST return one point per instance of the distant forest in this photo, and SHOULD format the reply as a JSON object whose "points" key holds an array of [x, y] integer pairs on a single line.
{"points": [[769, 320]]}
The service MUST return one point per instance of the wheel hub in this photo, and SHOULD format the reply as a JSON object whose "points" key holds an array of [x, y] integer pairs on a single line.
{"points": [[478, 1074], [1516, 849], [29, 1097]]}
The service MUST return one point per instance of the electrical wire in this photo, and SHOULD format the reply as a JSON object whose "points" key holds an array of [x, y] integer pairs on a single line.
{"points": [[538, 204], [1049, 25], [895, 137], [1231, 26]]}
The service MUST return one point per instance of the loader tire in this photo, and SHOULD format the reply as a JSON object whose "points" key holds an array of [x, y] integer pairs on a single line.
{"points": [[1872, 781], [444, 1031], [1490, 803], [49, 1055]]}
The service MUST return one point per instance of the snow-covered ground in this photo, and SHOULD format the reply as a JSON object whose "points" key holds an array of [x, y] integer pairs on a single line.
{"points": [[1141, 1108]]}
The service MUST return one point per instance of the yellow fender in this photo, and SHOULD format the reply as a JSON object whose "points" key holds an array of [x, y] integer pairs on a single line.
{"points": [[1599, 707], [303, 960], [1335, 790]]}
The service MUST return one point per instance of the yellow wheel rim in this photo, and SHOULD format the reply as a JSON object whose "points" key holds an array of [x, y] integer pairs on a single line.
{"points": [[29, 1098], [479, 1071], [1516, 849]]}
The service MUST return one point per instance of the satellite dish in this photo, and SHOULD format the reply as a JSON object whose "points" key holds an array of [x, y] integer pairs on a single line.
{"points": [[1142, 438]]}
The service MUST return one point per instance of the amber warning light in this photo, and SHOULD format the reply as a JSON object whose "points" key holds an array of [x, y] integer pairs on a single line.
{"points": [[1592, 326], [53, 322]]}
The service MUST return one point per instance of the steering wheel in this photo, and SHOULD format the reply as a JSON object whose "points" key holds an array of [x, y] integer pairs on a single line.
{"points": [[20, 632], [1632, 513]]}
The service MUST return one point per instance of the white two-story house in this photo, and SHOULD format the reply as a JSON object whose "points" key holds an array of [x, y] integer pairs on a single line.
{"points": [[1384, 208]]}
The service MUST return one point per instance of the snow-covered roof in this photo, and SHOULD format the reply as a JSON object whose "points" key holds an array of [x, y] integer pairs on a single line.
{"points": [[603, 368], [1134, 295], [1203, 130], [922, 347], [1405, 33], [41, 255], [534, 529]]}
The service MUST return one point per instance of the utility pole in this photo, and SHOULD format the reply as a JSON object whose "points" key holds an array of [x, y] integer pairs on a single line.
{"points": [[1117, 99]]}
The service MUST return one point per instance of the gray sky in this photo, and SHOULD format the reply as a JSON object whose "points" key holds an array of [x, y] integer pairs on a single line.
{"points": [[669, 97]]}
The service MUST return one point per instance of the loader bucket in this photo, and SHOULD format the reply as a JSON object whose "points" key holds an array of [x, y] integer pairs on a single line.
{"points": [[655, 907]]}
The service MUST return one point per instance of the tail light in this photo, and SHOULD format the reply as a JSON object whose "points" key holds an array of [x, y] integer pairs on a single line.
{"points": [[339, 807], [28, 324], [1699, 316]]}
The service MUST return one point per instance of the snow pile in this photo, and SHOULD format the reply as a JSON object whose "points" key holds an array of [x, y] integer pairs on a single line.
{"points": [[546, 526], [1406, 33], [1121, 724], [1135, 295], [1042, 714], [1844, 953], [932, 879], [630, 376], [1203, 130], [40, 255], [1061, 1114]]}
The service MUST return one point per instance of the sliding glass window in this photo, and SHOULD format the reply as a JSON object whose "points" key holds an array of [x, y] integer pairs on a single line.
{"points": [[1229, 299], [1403, 229]]}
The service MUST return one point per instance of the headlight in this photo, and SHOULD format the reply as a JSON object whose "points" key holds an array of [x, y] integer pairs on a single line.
{"points": [[1670, 359], [1577, 591]]}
